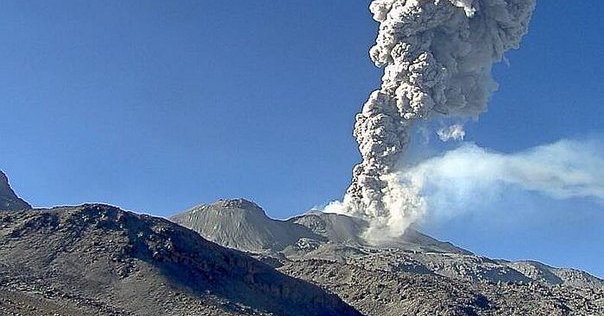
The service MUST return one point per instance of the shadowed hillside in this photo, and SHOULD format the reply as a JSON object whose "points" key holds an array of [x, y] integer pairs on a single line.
{"points": [[100, 260]]}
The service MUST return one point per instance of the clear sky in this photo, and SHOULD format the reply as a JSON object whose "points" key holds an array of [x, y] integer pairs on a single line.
{"points": [[156, 106]]}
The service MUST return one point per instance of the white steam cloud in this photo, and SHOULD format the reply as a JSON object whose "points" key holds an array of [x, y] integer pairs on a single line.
{"points": [[458, 178], [562, 170], [454, 132], [437, 57]]}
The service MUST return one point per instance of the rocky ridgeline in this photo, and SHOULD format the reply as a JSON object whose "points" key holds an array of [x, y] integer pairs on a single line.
{"points": [[412, 275]]}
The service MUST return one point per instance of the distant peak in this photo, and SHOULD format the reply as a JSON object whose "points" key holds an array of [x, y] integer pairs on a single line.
{"points": [[237, 203], [8, 199]]}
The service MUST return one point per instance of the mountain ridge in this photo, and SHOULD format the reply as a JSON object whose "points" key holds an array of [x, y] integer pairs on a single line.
{"points": [[332, 236], [416, 275], [242, 224], [98, 259]]}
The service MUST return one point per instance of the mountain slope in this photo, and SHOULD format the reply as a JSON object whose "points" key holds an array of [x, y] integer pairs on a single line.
{"points": [[8, 199], [241, 224], [411, 275], [100, 260], [342, 229]]}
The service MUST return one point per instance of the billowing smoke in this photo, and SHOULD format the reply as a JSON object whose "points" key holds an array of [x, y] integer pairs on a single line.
{"points": [[437, 57]]}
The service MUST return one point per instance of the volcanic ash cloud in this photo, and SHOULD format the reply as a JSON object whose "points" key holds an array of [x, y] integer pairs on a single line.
{"points": [[437, 57]]}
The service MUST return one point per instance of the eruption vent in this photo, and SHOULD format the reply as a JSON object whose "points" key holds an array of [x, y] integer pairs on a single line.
{"points": [[437, 57]]}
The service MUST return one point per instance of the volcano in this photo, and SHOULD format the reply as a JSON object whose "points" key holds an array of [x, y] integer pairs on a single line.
{"points": [[413, 274]]}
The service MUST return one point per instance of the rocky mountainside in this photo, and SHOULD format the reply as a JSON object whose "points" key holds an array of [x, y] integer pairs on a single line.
{"points": [[385, 292], [8, 199], [412, 275], [100, 260]]}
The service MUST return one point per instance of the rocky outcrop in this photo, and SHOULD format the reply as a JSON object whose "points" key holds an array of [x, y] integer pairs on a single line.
{"points": [[9, 201], [98, 259]]}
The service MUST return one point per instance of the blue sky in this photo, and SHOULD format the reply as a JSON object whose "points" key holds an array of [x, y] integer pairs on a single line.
{"points": [[156, 106]]}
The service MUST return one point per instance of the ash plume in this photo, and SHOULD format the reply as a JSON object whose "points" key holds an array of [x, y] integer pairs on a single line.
{"points": [[437, 57]]}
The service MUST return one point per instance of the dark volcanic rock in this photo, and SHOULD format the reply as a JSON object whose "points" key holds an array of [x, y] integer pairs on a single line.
{"points": [[100, 260], [9, 201]]}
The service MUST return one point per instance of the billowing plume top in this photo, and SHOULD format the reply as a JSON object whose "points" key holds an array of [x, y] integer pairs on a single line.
{"points": [[438, 54], [437, 57]]}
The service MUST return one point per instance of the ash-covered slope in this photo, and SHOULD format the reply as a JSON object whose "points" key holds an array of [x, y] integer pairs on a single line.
{"points": [[100, 260], [242, 225], [342, 229], [9, 201]]}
